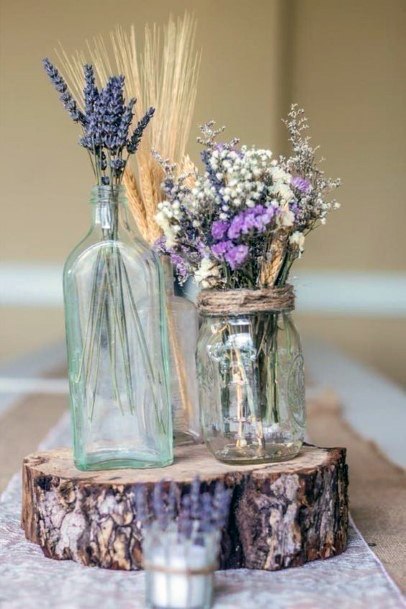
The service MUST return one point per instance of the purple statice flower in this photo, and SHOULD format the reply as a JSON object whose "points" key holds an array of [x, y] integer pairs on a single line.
{"points": [[201, 248], [159, 245], [180, 266], [219, 229], [135, 139], [236, 226], [64, 94], [257, 218], [236, 255], [301, 184], [220, 249]]}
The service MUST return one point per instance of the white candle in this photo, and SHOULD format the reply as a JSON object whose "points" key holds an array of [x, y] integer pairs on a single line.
{"points": [[175, 587]]}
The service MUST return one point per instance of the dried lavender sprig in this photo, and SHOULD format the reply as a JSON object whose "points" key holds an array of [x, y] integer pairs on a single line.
{"points": [[106, 122], [135, 139], [195, 498], [221, 505], [173, 501], [90, 91], [64, 94], [158, 505], [206, 510], [185, 525]]}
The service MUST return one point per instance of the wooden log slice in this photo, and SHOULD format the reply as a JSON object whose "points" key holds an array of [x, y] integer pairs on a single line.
{"points": [[282, 515]]}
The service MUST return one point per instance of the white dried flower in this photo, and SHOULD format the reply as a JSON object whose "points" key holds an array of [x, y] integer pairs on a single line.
{"points": [[297, 239], [208, 274]]}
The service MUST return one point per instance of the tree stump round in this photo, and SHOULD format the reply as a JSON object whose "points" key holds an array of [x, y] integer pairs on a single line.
{"points": [[282, 515]]}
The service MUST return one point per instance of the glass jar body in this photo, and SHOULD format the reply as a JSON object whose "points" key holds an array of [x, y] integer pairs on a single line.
{"points": [[251, 387], [117, 344]]}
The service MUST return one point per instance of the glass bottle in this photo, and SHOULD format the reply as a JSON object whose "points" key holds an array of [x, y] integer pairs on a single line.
{"points": [[251, 385], [117, 343], [183, 329]]}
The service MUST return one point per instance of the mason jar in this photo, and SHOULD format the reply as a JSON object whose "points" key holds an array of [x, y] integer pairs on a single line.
{"points": [[251, 386]]}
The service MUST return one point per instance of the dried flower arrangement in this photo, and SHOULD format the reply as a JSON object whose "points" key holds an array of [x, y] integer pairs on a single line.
{"points": [[163, 75], [243, 222]]}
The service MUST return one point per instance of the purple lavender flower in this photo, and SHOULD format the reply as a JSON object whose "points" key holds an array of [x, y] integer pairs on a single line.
{"points": [[65, 96], [221, 505], [219, 229], [236, 256], [301, 184], [106, 121], [90, 92], [135, 139], [206, 512], [127, 117], [117, 166], [173, 500], [141, 504]]}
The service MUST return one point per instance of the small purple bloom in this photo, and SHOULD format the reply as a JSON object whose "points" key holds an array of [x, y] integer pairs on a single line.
{"points": [[236, 256], [219, 229], [181, 268], [301, 184], [236, 226], [256, 218], [221, 248]]}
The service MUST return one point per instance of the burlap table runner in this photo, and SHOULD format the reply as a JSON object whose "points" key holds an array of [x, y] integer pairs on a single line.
{"points": [[377, 486]]}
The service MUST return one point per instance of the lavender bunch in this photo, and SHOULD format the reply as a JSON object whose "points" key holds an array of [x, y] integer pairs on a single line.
{"points": [[106, 122], [190, 516], [225, 226]]}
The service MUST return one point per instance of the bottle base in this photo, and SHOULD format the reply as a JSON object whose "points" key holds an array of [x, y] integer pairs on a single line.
{"points": [[182, 438], [106, 460], [231, 454]]}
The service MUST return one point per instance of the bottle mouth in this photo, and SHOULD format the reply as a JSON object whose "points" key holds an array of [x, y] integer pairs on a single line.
{"points": [[111, 194]]}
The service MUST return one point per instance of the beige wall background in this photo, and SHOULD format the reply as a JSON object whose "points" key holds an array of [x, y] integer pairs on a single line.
{"points": [[343, 60]]}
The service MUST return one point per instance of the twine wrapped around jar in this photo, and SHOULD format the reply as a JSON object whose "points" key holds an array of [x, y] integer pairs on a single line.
{"points": [[237, 302]]}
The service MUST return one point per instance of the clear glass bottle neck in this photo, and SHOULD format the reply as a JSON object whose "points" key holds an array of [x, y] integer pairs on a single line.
{"points": [[108, 203]]}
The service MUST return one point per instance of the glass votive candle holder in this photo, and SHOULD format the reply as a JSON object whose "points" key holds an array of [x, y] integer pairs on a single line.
{"points": [[179, 572]]}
